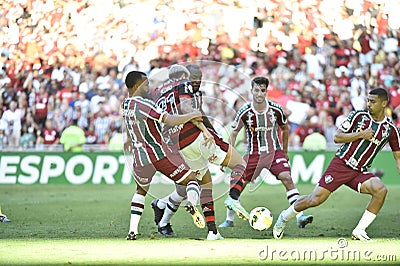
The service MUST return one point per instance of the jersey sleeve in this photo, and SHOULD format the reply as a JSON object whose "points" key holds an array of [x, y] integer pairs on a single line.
{"points": [[349, 123], [149, 110], [238, 121], [280, 114], [394, 139]]}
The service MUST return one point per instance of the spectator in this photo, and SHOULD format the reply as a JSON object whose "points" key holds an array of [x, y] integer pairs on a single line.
{"points": [[13, 118], [73, 138], [49, 136], [315, 141], [28, 138]]}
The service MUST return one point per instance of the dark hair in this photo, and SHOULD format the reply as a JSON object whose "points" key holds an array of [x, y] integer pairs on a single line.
{"points": [[133, 78], [382, 93], [193, 68], [259, 81]]}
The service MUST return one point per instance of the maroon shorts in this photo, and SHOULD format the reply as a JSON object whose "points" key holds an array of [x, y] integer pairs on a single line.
{"points": [[173, 166], [276, 163], [338, 173]]}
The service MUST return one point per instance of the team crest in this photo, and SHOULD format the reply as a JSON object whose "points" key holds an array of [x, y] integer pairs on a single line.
{"points": [[272, 118], [328, 179], [385, 132]]}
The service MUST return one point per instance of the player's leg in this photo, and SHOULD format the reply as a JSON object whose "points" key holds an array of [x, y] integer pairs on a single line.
{"points": [[143, 176], [137, 207], [165, 208], [207, 205], [292, 194], [337, 174], [317, 197], [3, 218], [235, 162], [375, 187], [174, 167], [253, 168]]}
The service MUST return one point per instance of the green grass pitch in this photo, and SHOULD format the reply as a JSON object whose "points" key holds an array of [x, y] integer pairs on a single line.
{"points": [[87, 225]]}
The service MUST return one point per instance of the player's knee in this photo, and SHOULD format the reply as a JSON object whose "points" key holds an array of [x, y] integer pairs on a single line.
{"points": [[376, 188], [286, 179], [379, 189]]}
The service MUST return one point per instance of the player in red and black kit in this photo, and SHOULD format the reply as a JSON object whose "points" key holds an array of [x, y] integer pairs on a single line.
{"points": [[198, 145], [262, 119], [150, 154], [363, 135]]}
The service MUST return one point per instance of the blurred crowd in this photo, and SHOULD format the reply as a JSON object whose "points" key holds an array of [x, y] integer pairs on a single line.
{"points": [[66, 60]]}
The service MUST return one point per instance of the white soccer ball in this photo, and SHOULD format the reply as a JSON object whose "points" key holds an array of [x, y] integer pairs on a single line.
{"points": [[260, 218]]}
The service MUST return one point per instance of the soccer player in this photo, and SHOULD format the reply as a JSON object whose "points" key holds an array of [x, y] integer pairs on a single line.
{"points": [[363, 135], [206, 198], [198, 145], [261, 120], [150, 153]]}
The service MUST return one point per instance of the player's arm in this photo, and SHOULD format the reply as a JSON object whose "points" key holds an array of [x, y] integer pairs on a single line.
{"points": [[396, 156], [285, 139], [186, 106], [343, 137], [174, 120], [128, 143], [232, 138]]}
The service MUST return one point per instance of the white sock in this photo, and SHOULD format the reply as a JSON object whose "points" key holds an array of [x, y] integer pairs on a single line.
{"points": [[292, 195], [193, 192], [137, 206], [299, 215], [230, 215], [367, 218], [168, 213], [289, 213], [162, 203]]}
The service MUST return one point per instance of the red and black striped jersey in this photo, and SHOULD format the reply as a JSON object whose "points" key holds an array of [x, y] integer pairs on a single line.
{"points": [[142, 119], [360, 153], [261, 128], [172, 95]]}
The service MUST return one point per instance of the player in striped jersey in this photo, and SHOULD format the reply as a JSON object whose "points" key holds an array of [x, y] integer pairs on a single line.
{"points": [[198, 144], [261, 120], [150, 154], [363, 135]]}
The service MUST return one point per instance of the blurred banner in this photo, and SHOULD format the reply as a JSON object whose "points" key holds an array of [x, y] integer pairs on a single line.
{"points": [[110, 168]]}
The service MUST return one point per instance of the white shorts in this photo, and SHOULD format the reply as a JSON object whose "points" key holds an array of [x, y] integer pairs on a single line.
{"points": [[199, 157]]}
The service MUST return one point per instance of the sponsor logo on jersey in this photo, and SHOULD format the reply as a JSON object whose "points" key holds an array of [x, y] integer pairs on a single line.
{"points": [[263, 129], [375, 141], [328, 179], [178, 170], [142, 180], [175, 129], [212, 158]]}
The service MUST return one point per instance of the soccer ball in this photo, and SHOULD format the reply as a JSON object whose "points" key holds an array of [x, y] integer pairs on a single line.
{"points": [[260, 218]]}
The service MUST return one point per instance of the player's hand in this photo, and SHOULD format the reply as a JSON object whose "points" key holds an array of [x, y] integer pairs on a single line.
{"points": [[367, 134], [197, 120], [208, 139], [128, 147]]}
